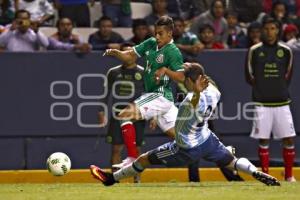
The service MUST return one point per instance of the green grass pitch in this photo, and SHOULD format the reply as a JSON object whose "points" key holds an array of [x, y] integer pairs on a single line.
{"points": [[153, 191]]}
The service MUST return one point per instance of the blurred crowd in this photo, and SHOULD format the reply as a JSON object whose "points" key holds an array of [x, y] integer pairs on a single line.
{"points": [[199, 24]]}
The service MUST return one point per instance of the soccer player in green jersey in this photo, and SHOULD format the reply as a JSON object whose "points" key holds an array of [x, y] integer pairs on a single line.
{"points": [[163, 62]]}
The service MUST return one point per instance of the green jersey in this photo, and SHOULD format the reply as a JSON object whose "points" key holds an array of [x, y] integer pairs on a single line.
{"points": [[168, 56]]}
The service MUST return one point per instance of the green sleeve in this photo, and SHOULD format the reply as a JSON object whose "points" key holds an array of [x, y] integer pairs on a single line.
{"points": [[194, 40], [141, 49], [175, 60]]}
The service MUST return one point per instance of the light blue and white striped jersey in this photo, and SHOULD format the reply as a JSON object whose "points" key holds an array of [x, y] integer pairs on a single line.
{"points": [[191, 125]]}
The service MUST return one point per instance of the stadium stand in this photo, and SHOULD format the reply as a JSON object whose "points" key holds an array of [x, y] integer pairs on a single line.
{"points": [[85, 32]]}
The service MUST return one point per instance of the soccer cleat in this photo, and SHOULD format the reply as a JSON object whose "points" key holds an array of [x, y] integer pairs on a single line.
{"points": [[106, 178], [265, 178], [124, 163], [291, 179]]}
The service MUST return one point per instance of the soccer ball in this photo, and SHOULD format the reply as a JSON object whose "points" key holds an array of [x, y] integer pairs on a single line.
{"points": [[58, 164]]}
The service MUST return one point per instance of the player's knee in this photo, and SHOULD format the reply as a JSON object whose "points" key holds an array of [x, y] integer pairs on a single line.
{"points": [[170, 133], [287, 142], [264, 142], [129, 113]]}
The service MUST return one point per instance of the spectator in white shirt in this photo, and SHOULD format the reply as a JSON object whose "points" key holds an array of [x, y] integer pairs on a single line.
{"points": [[40, 10]]}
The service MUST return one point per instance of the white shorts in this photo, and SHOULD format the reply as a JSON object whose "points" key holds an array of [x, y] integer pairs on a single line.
{"points": [[276, 120], [155, 105]]}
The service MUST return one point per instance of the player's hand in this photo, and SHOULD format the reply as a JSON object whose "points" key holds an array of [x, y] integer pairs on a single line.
{"points": [[110, 52], [102, 119], [252, 81], [14, 25], [203, 83], [83, 48], [152, 124], [159, 73]]}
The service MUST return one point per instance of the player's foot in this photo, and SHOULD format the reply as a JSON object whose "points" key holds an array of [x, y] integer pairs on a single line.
{"points": [[106, 178], [291, 179], [124, 163], [265, 178]]}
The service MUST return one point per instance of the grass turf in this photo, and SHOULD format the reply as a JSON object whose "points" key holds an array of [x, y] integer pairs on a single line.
{"points": [[154, 191]]}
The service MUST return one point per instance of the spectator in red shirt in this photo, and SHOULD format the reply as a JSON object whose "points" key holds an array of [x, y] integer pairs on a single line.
{"points": [[208, 37]]}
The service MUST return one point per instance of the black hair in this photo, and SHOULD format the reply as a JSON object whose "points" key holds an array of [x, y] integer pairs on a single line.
{"points": [[276, 3], [254, 25], [194, 71], [178, 19], [212, 5], [231, 13], [60, 19], [271, 20], [139, 22], [165, 21], [103, 18], [206, 26], [22, 11]]}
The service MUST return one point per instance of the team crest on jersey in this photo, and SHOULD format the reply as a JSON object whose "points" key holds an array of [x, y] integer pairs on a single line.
{"points": [[138, 76], [280, 53], [261, 54], [160, 58]]}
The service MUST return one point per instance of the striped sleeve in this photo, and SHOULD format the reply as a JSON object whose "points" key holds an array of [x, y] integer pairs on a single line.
{"points": [[249, 73], [289, 70]]}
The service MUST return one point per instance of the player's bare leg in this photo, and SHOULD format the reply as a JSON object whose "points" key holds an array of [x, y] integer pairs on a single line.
{"points": [[264, 155], [131, 113], [171, 133], [244, 165], [288, 154]]}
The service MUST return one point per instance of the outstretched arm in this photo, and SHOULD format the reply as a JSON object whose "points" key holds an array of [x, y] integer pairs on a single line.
{"points": [[177, 76], [121, 55]]}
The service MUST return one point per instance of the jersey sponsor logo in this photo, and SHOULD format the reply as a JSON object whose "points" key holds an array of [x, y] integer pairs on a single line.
{"points": [[128, 77], [138, 76], [280, 53], [160, 58]]}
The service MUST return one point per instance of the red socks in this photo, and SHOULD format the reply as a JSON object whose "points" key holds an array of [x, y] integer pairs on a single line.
{"points": [[288, 157], [264, 159], [129, 137]]}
